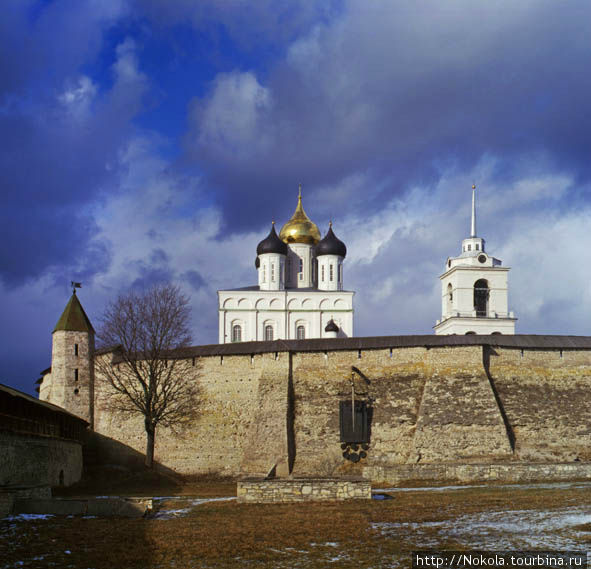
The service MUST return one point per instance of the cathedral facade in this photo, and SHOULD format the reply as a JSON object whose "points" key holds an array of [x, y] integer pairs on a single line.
{"points": [[300, 292]]}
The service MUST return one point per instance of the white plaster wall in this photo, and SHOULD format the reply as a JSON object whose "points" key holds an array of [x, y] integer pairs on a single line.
{"points": [[324, 264], [461, 326], [305, 279], [462, 281], [462, 277], [252, 308], [272, 271]]}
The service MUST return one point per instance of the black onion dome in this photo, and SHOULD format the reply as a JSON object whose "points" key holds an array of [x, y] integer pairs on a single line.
{"points": [[331, 326], [331, 245], [272, 244]]}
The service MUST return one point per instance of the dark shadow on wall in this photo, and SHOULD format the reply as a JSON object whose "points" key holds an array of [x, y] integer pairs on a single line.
{"points": [[113, 468], [291, 446], [100, 450], [356, 417], [487, 352]]}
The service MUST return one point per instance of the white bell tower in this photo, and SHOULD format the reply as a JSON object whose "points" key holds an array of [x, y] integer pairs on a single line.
{"points": [[474, 290]]}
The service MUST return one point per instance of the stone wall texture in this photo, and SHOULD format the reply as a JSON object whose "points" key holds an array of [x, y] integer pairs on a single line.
{"points": [[240, 425], [6, 504], [445, 405], [303, 490], [71, 381], [39, 461], [462, 473]]}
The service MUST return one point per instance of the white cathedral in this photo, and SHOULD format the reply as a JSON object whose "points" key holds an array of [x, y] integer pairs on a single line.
{"points": [[300, 288], [474, 290]]}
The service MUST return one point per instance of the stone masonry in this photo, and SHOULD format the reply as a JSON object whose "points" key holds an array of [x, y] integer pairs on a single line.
{"points": [[303, 490], [433, 400], [71, 381]]}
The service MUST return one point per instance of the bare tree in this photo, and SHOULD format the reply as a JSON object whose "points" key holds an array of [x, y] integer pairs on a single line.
{"points": [[145, 376]]}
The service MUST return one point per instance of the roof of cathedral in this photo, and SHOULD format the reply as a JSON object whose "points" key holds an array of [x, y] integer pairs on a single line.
{"points": [[331, 326], [300, 229], [73, 317], [331, 244], [271, 244]]}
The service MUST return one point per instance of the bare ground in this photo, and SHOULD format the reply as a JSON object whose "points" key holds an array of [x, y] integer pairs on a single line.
{"points": [[188, 533]]}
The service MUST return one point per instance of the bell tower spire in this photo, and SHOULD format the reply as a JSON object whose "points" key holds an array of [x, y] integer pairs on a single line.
{"points": [[473, 226]]}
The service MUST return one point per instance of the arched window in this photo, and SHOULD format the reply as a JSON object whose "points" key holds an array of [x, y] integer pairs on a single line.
{"points": [[301, 333], [481, 297], [450, 297], [236, 333], [268, 333]]}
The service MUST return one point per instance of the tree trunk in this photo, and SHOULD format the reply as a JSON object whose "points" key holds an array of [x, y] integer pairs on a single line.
{"points": [[150, 437]]}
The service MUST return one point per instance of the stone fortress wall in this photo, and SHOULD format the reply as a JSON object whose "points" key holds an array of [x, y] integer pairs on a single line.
{"points": [[434, 400], [40, 446]]}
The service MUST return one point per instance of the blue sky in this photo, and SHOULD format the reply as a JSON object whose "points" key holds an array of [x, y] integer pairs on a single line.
{"points": [[152, 140]]}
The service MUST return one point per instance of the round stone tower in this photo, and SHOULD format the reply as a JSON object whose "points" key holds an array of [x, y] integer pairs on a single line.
{"points": [[72, 362]]}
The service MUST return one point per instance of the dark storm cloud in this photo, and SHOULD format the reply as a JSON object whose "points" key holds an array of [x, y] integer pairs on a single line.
{"points": [[153, 270], [194, 279], [61, 132], [400, 92], [265, 24]]}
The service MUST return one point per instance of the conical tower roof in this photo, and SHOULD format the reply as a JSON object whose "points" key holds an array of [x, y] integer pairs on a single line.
{"points": [[73, 318]]}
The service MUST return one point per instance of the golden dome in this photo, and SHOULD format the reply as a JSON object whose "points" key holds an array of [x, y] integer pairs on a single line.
{"points": [[299, 229]]}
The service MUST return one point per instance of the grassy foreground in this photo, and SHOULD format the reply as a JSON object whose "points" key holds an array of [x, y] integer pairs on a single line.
{"points": [[227, 534]]}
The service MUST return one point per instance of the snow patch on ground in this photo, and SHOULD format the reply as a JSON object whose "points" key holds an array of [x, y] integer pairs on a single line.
{"points": [[506, 530], [165, 514], [28, 517], [521, 529]]}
